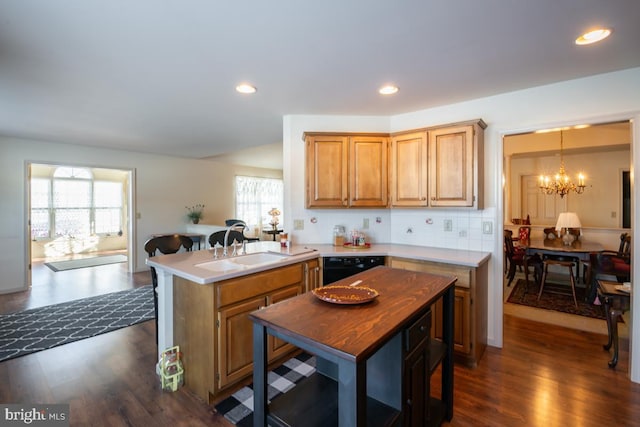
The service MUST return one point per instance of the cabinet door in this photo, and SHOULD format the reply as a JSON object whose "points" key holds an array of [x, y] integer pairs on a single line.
{"points": [[408, 182], [416, 387], [312, 275], [235, 340], [451, 166], [368, 175], [276, 347], [461, 321], [327, 171]]}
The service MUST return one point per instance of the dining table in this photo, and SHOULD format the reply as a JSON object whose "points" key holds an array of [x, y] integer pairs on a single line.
{"points": [[580, 248]]}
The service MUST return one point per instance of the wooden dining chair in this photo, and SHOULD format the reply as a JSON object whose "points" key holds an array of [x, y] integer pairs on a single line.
{"points": [[169, 244], [550, 233], [565, 262], [609, 263], [517, 257]]}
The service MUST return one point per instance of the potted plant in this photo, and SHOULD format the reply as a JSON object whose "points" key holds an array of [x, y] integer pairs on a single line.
{"points": [[194, 213]]}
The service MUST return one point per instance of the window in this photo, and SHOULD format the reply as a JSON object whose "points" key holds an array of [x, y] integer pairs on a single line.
{"points": [[73, 204], [40, 195], [107, 202], [255, 197]]}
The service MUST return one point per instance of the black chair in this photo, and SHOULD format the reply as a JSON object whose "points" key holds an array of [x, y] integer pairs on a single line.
{"points": [[218, 237], [230, 222], [166, 245]]}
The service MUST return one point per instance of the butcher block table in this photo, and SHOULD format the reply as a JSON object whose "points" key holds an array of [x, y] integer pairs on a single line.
{"points": [[373, 359]]}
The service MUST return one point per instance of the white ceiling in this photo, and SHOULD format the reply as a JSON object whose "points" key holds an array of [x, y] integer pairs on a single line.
{"points": [[159, 76]]}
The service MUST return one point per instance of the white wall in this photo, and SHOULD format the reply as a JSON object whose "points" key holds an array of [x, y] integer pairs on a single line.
{"points": [[163, 187], [601, 98]]}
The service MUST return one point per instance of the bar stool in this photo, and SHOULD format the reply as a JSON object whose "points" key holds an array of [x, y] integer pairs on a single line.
{"points": [[568, 264]]}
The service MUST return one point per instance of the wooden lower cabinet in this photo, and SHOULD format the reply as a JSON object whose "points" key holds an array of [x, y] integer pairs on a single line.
{"points": [[470, 306], [417, 372], [212, 327], [313, 274], [234, 338]]}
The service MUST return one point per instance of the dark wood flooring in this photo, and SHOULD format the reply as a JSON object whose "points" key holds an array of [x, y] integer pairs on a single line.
{"points": [[544, 376]]}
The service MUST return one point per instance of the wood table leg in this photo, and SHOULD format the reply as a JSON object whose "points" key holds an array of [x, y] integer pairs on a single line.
{"points": [[607, 309], [615, 317]]}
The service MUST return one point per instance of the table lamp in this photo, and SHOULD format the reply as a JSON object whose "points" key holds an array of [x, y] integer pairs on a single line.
{"points": [[567, 220]]}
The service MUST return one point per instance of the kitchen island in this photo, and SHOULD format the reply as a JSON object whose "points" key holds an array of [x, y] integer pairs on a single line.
{"points": [[374, 360], [204, 303]]}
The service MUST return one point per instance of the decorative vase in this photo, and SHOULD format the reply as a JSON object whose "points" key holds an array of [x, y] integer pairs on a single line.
{"points": [[567, 238], [196, 220]]}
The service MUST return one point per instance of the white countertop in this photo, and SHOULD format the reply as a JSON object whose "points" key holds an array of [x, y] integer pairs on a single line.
{"points": [[185, 264]]}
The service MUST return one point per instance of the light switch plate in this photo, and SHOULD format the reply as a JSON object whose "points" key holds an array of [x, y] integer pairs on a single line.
{"points": [[298, 224], [365, 223], [448, 225], [487, 227]]}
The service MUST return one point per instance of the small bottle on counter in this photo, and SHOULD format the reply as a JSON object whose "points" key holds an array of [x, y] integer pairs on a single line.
{"points": [[284, 237], [361, 240], [355, 237]]}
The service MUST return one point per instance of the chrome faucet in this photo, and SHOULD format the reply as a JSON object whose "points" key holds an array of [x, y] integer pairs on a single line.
{"points": [[226, 236]]}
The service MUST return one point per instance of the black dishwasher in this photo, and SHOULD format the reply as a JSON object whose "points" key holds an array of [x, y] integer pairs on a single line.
{"points": [[335, 268]]}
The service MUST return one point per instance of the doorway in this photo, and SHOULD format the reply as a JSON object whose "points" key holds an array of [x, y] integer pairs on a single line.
{"points": [[603, 153], [78, 214]]}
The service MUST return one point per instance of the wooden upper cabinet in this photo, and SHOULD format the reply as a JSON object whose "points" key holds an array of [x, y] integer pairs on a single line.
{"points": [[368, 171], [327, 171], [409, 169], [455, 165], [440, 166], [346, 170]]}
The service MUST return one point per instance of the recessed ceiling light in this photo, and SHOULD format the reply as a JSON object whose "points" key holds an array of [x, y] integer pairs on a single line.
{"points": [[593, 36], [246, 88], [388, 90]]}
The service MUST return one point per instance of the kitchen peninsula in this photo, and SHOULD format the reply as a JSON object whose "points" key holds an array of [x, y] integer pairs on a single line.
{"points": [[204, 304]]}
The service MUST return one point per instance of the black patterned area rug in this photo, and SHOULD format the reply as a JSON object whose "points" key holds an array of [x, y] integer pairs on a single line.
{"points": [[238, 408], [42, 328], [555, 301]]}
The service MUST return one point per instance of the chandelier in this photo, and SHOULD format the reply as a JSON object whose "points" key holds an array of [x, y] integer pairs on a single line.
{"points": [[561, 183]]}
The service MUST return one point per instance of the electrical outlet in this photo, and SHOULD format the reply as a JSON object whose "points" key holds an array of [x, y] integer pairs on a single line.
{"points": [[365, 223], [462, 233], [448, 225], [487, 227], [298, 224]]}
